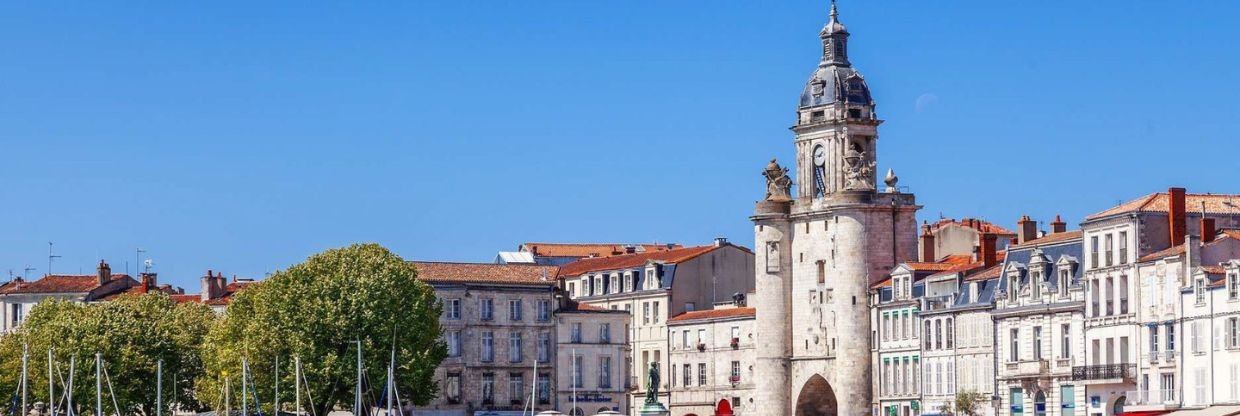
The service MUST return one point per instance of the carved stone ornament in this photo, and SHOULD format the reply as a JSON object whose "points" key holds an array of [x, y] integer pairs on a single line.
{"points": [[778, 184], [858, 171], [772, 257]]}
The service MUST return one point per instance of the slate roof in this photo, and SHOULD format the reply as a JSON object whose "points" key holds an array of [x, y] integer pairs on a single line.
{"points": [[1052, 251], [627, 261], [1050, 239], [1160, 201], [521, 274], [714, 314], [590, 249]]}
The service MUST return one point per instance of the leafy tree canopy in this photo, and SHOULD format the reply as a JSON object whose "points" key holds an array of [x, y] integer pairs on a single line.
{"points": [[316, 311], [132, 334]]}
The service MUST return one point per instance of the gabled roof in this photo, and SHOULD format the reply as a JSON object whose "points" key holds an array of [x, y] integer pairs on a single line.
{"points": [[714, 314], [590, 249], [979, 225], [522, 274], [1050, 239], [62, 283], [1160, 202], [627, 261]]}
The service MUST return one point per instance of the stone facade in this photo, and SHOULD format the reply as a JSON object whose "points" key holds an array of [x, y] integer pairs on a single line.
{"points": [[820, 248], [1211, 318], [498, 323], [712, 359], [591, 350]]}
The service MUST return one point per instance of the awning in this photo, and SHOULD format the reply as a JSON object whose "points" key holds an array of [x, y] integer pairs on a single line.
{"points": [[1146, 413], [1209, 411]]}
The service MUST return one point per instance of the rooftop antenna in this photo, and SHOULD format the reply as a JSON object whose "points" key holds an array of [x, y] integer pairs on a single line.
{"points": [[136, 255], [50, 257], [26, 271], [146, 264]]}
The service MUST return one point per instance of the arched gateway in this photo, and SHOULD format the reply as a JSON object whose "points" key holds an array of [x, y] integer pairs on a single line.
{"points": [[816, 398]]}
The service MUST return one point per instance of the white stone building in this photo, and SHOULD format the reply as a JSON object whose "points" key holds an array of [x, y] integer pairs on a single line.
{"points": [[1211, 360], [711, 361], [591, 349], [1038, 318], [654, 286], [820, 248]]}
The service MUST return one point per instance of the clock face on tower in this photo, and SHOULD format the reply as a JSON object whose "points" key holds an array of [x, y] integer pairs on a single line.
{"points": [[820, 156]]}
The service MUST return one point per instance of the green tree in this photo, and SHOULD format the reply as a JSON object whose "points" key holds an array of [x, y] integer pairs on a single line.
{"points": [[132, 334], [966, 403], [316, 311]]}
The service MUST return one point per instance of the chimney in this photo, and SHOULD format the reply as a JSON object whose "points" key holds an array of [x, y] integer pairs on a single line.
{"points": [[989, 255], [1175, 216], [208, 287], [1027, 230], [1058, 226], [221, 284], [1207, 229], [105, 273], [721, 241], [147, 283], [927, 244]]}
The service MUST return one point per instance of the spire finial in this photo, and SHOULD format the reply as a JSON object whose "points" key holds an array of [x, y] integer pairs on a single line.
{"points": [[834, 13]]}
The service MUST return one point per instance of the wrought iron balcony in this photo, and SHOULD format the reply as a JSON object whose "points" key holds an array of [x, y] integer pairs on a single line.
{"points": [[1105, 372]]}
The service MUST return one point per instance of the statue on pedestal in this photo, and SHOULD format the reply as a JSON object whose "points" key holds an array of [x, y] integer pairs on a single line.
{"points": [[778, 184]]}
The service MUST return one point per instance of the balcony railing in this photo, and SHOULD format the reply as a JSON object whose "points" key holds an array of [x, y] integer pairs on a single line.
{"points": [[1105, 372], [1153, 356], [1028, 368], [1169, 355]]}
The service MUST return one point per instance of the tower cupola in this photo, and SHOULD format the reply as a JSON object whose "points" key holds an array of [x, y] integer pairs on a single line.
{"points": [[835, 81]]}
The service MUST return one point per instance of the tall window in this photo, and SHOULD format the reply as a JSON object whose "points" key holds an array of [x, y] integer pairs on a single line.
{"points": [[488, 309], [1170, 337], [1168, 387], [516, 387], [578, 381], [655, 313], [1154, 339], [604, 373], [701, 337], [575, 333], [736, 371], [1233, 332], [453, 309], [645, 312], [628, 282], [452, 388], [1123, 293], [544, 310], [822, 272], [1065, 342], [488, 346], [927, 333], [684, 339], [514, 347], [1123, 247], [1065, 279], [454, 343], [488, 388], [544, 388], [604, 333], [1037, 343], [1093, 298], [688, 375], [1110, 294], [951, 333], [1035, 283], [938, 334], [544, 347], [1093, 252], [1233, 286], [1109, 255], [1014, 346], [1199, 291], [1067, 399], [701, 374], [514, 310]]}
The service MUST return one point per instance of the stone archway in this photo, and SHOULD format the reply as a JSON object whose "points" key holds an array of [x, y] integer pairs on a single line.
{"points": [[1118, 407], [817, 398]]}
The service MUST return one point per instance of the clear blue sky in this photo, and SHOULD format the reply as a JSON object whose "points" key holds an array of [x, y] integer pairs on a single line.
{"points": [[245, 136]]}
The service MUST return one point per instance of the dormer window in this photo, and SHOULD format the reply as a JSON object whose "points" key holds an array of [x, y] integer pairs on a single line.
{"points": [[1233, 285], [1065, 279], [1035, 283], [1013, 284], [1199, 289]]}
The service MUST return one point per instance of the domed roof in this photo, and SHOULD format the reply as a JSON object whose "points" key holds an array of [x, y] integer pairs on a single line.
{"points": [[833, 83]]}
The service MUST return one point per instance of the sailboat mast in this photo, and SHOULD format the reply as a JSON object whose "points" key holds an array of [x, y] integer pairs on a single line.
{"points": [[275, 407], [391, 389], [159, 387], [51, 386], [297, 383], [69, 388], [98, 384], [227, 390], [245, 408], [357, 392], [25, 359], [574, 380]]}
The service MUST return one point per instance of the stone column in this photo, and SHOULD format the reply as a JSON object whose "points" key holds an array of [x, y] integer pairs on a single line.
{"points": [[772, 299]]}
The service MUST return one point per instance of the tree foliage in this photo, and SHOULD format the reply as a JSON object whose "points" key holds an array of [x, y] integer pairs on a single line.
{"points": [[132, 334], [966, 403], [317, 310]]}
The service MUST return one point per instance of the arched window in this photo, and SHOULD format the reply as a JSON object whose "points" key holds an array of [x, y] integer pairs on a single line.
{"points": [[950, 333]]}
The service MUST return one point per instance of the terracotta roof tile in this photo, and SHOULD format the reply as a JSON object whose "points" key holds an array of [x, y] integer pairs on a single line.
{"points": [[195, 298], [1213, 269], [1051, 239], [881, 284], [524, 274], [1164, 253], [1159, 202], [713, 314], [61, 283], [625, 261], [1231, 233], [590, 249], [990, 273], [975, 224], [918, 266]]}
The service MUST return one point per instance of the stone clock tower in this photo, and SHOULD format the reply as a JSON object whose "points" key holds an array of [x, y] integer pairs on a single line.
{"points": [[820, 247]]}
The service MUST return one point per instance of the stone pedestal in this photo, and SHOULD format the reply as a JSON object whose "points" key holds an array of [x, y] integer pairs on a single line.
{"points": [[654, 409]]}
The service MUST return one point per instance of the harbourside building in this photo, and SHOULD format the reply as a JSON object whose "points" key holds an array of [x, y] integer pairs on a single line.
{"points": [[654, 286], [499, 328], [1211, 361], [559, 254], [591, 349], [18, 297], [711, 361]]}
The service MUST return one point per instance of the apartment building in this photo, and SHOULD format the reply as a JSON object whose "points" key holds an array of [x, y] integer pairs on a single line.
{"points": [[711, 361], [591, 347]]}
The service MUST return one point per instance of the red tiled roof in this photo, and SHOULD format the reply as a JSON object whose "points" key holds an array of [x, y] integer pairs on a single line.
{"points": [[975, 224], [625, 261], [525, 274], [971, 267], [1212, 269], [61, 283], [1231, 233], [197, 298], [713, 314], [1162, 254], [1051, 239], [991, 273], [1159, 202], [590, 249]]}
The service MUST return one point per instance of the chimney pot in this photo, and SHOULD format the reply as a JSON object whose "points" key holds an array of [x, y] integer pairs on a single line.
{"points": [[1207, 230], [1027, 230], [1175, 216], [989, 254], [1058, 226], [104, 273], [927, 245]]}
